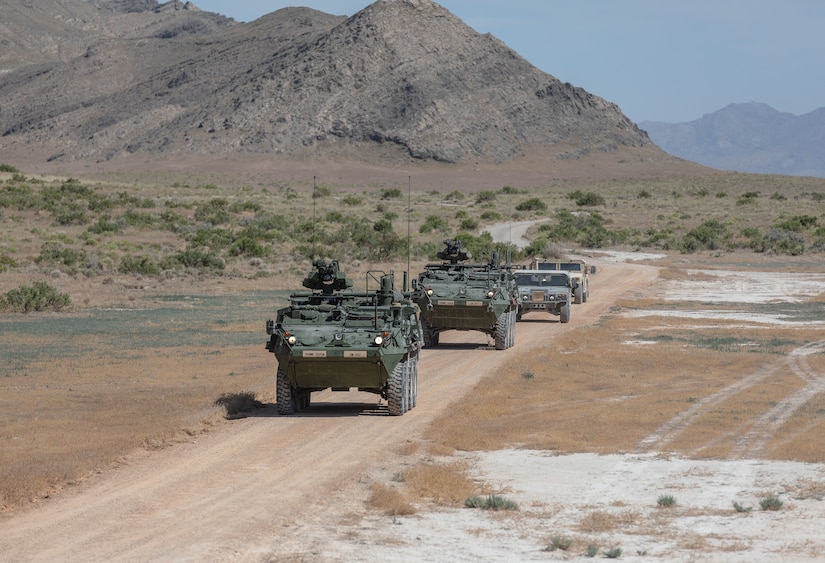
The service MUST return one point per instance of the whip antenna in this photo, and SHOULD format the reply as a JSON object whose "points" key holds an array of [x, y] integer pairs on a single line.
{"points": [[313, 218], [409, 238]]}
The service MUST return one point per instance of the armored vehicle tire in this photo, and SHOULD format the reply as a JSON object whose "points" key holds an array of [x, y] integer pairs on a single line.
{"points": [[564, 313], [503, 331], [286, 398], [403, 380], [512, 328], [430, 337], [578, 295]]}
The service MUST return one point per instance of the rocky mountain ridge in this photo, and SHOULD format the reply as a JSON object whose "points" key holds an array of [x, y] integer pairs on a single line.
{"points": [[748, 137], [401, 79]]}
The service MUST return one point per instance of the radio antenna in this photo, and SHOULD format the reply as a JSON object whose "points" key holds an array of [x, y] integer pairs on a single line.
{"points": [[313, 218], [409, 239]]}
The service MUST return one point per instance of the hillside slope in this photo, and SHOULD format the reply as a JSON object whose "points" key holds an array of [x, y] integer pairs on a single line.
{"points": [[398, 80]]}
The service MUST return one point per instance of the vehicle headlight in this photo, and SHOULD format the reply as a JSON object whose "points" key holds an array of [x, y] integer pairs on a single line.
{"points": [[525, 297], [429, 292], [490, 293], [379, 340], [291, 339]]}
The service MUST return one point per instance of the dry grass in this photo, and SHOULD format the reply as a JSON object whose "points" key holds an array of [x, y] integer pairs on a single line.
{"points": [[444, 484], [390, 501], [600, 521], [594, 390]]}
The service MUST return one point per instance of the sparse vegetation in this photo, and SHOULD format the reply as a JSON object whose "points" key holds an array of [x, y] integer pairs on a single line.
{"points": [[741, 508], [39, 296], [771, 503], [491, 502], [613, 553], [666, 501]]}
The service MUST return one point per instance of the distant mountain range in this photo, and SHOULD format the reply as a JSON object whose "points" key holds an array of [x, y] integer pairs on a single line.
{"points": [[749, 137]]}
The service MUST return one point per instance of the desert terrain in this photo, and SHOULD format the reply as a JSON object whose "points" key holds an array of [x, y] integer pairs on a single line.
{"points": [[270, 488]]}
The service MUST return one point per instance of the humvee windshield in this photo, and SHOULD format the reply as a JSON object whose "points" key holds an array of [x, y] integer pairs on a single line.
{"points": [[541, 280]]}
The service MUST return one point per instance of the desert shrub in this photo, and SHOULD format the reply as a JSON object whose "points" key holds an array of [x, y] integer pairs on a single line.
{"points": [[490, 216], [485, 196], [352, 200], [195, 258], [40, 296], [211, 238], [6, 262], [248, 247], [708, 236], [433, 223], [454, 196], [666, 501], [532, 204], [586, 199], [585, 228], [771, 503], [214, 212], [8, 168], [390, 193], [382, 226], [469, 224], [145, 265], [140, 219], [644, 194], [55, 254], [104, 225], [491, 502], [69, 213], [780, 241], [797, 223]]}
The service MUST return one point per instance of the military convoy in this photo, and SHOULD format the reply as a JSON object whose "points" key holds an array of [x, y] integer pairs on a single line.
{"points": [[458, 295], [578, 269], [331, 337]]}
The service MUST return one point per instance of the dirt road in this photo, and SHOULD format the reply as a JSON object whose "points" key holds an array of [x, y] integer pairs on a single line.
{"points": [[236, 492]]}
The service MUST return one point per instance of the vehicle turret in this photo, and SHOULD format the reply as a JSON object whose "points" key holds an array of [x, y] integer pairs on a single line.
{"points": [[453, 252], [326, 277]]}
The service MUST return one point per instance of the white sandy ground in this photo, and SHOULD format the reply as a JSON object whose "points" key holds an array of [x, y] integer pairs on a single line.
{"points": [[557, 494]]}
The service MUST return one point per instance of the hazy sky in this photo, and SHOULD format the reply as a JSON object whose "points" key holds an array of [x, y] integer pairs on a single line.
{"points": [[660, 60]]}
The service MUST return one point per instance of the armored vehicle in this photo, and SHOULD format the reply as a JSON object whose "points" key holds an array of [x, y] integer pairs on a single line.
{"points": [[578, 269], [545, 290], [332, 337], [458, 295]]}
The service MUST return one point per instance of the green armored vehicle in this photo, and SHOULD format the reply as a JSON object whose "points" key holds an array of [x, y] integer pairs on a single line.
{"points": [[457, 295], [331, 337]]}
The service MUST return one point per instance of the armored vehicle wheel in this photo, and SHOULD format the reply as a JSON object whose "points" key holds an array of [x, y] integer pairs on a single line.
{"points": [[503, 331], [564, 314], [512, 328], [398, 388], [578, 295], [286, 398], [430, 337], [414, 382]]}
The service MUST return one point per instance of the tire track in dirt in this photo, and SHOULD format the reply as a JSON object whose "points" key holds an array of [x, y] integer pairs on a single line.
{"points": [[752, 443]]}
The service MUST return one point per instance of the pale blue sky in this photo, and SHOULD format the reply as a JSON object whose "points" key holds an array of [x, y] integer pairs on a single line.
{"points": [[660, 60]]}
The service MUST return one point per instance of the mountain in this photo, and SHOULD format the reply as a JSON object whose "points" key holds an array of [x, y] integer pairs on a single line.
{"points": [[749, 137], [102, 80]]}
